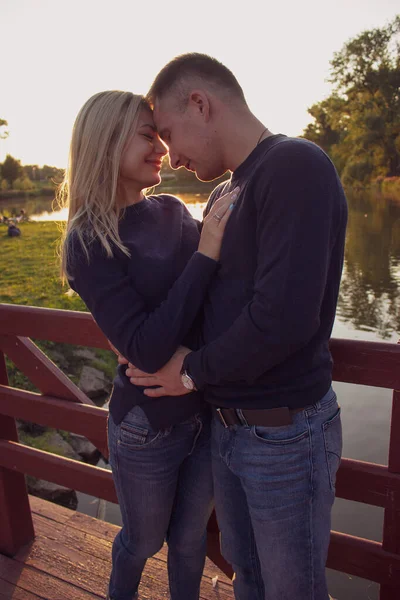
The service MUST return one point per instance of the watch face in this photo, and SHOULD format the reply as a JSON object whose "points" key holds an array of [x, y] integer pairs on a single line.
{"points": [[187, 382]]}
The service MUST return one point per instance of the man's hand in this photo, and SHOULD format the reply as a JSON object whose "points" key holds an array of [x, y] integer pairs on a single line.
{"points": [[168, 378]]}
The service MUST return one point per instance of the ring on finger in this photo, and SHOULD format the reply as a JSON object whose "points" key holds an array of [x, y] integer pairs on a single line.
{"points": [[217, 217]]}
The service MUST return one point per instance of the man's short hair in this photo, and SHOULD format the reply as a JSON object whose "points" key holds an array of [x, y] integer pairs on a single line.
{"points": [[193, 65]]}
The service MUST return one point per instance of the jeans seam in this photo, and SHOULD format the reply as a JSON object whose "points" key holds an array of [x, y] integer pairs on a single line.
{"points": [[311, 516], [332, 485], [254, 557], [233, 434], [200, 423]]}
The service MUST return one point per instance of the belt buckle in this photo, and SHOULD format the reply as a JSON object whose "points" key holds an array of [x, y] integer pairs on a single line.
{"points": [[221, 418]]}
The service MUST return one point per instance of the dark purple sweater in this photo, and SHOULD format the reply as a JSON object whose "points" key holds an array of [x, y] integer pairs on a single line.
{"points": [[147, 304], [269, 310]]}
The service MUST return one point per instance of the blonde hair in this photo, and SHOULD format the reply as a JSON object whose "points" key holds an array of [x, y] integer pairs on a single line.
{"points": [[101, 130]]}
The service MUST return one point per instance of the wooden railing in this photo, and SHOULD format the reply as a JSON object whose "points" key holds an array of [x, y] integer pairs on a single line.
{"points": [[62, 405]]}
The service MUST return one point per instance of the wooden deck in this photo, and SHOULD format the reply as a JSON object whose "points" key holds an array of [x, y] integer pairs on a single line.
{"points": [[70, 559]]}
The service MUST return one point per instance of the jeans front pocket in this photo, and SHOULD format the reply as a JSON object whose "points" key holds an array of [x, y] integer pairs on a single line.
{"points": [[332, 433], [271, 435]]}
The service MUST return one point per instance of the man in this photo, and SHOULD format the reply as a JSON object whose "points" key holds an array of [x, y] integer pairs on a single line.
{"points": [[265, 366]]}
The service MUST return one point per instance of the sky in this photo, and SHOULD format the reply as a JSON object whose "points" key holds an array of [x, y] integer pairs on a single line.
{"points": [[56, 53]]}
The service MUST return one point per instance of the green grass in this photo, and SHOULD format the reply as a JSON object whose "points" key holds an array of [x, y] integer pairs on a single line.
{"points": [[30, 276], [30, 268]]}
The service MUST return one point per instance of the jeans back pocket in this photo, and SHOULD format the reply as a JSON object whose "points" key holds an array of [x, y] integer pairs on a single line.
{"points": [[332, 432]]}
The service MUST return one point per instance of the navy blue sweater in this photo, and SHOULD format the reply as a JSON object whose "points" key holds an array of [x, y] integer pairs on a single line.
{"points": [[147, 304], [270, 308]]}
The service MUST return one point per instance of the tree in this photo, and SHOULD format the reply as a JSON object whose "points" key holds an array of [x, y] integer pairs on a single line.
{"points": [[53, 174], [11, 169], [32, 171], [359, 124]]}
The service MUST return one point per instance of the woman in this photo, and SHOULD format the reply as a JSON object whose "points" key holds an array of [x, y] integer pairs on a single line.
{"points": [[142, 268]]}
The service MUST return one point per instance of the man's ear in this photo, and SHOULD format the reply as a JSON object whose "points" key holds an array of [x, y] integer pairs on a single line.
{"points": [[200, 103]]}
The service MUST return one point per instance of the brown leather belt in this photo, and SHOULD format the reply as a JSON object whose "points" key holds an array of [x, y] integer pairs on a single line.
{"points": [[270, 417]]}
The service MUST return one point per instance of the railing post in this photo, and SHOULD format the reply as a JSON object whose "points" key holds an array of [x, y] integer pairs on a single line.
{"points": [[391, 525], [16, 526]]}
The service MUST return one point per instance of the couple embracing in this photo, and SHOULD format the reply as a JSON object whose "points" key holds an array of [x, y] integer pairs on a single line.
{"points": [[223, 390]]}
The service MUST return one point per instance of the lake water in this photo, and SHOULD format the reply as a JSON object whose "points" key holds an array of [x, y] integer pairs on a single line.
{"points": [[43, 208], [368, 309]]}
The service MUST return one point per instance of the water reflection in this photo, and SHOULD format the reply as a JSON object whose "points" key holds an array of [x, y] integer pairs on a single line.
{"points": [[369, 296], [43, 208]]}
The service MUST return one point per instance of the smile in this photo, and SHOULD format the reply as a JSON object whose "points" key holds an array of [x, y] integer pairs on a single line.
{"points": [[154, 163]]}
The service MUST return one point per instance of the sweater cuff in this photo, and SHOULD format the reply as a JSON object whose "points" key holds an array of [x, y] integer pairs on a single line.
{"points": [[200, 266]]}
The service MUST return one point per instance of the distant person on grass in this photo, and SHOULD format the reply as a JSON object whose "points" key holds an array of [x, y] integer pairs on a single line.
{"points": [[13, 230]]}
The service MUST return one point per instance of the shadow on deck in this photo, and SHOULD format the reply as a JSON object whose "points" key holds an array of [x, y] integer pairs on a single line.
{"points": [[70, 559]]}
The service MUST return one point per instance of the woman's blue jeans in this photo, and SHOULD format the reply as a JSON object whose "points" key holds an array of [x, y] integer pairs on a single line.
{"points": [[164, 486], [274, 489]]}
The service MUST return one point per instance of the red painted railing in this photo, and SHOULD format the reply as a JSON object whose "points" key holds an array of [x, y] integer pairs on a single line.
{"points": [[62, 405]]}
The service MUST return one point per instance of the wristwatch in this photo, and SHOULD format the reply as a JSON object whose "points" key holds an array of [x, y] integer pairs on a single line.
{"points": [[187, 381]]}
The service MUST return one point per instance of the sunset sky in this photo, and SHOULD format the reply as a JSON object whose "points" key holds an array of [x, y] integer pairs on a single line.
{"points": [[56, 54]]}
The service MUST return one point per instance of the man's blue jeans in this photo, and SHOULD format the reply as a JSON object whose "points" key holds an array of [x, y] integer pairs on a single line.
{"points": [[164, 486], [274, 489]]}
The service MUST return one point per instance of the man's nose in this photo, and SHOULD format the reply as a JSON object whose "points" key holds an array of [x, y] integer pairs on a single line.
{"points": [[174, 160]]}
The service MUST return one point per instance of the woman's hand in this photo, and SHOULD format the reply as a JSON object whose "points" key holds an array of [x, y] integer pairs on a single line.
{"points": [[214, 225]]}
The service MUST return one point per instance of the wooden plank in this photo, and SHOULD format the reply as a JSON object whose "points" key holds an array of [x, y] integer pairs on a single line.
{"points": [[363, 558], [391, 523], [394, 446], [51, 510], [79, 524], [16, 526], [70, 327], [357, 480], [391, 527], [38, 582], [8, 590], [366, 482], [90, 421], [43, 373], [387, 592], [57, 558], [366, 363], [98, 543], [58, 469], [76, 558]]}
